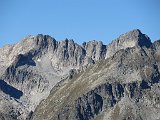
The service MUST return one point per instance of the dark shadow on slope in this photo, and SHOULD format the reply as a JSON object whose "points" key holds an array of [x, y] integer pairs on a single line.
{"points": [[13, 92], [144, 85], [25, 59]]}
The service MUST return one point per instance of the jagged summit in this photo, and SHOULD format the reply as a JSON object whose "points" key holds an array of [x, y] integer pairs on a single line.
{"points": [[69, 53], [41, 41], [133, 38], [134, 31], [137, 35], [129, 39], [125, 86], [38, 63]]}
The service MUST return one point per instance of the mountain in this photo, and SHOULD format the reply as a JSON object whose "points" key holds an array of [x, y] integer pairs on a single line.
{"points": [[83, 82], [124, 86], [37, 63]]}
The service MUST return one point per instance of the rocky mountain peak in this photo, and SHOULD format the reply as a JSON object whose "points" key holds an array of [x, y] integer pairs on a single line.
{"points": [[124, 86], [38, 63], [134, 38], [44, 41], [67, 43], [40, 41], [95, 49], [137, 36]]}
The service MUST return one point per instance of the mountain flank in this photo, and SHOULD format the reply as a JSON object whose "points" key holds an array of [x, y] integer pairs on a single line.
{"points": [[42, 78]]}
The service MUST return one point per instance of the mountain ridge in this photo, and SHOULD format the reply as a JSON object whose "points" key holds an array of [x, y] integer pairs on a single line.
{"points": [[37, 63], [106, 85]]}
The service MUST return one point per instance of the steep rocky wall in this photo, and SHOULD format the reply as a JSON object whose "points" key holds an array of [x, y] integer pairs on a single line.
{"points": [[37, 63], [124, 86], [105, 97], [129, 39]]}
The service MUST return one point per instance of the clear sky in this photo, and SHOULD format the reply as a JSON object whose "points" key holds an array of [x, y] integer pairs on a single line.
{"points": [[81, 20]]}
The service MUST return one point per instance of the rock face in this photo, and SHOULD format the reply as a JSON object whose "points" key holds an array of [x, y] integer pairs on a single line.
{"points": [[125, 86], [82, 83], [129, 39], [37, 63]]}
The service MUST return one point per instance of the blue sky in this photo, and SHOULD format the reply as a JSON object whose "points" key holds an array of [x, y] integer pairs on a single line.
{"points": [[81, 20]]}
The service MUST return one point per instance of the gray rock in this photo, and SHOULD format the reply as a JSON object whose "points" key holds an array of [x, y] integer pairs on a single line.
{"points": [[129, 39], [39, 63], [124, 86]]}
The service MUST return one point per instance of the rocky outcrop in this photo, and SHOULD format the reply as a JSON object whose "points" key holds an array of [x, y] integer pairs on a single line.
{"points": [[107, 96], [124, 86], [129, 39], [7, 89], [38, 63], [95, 50]]}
